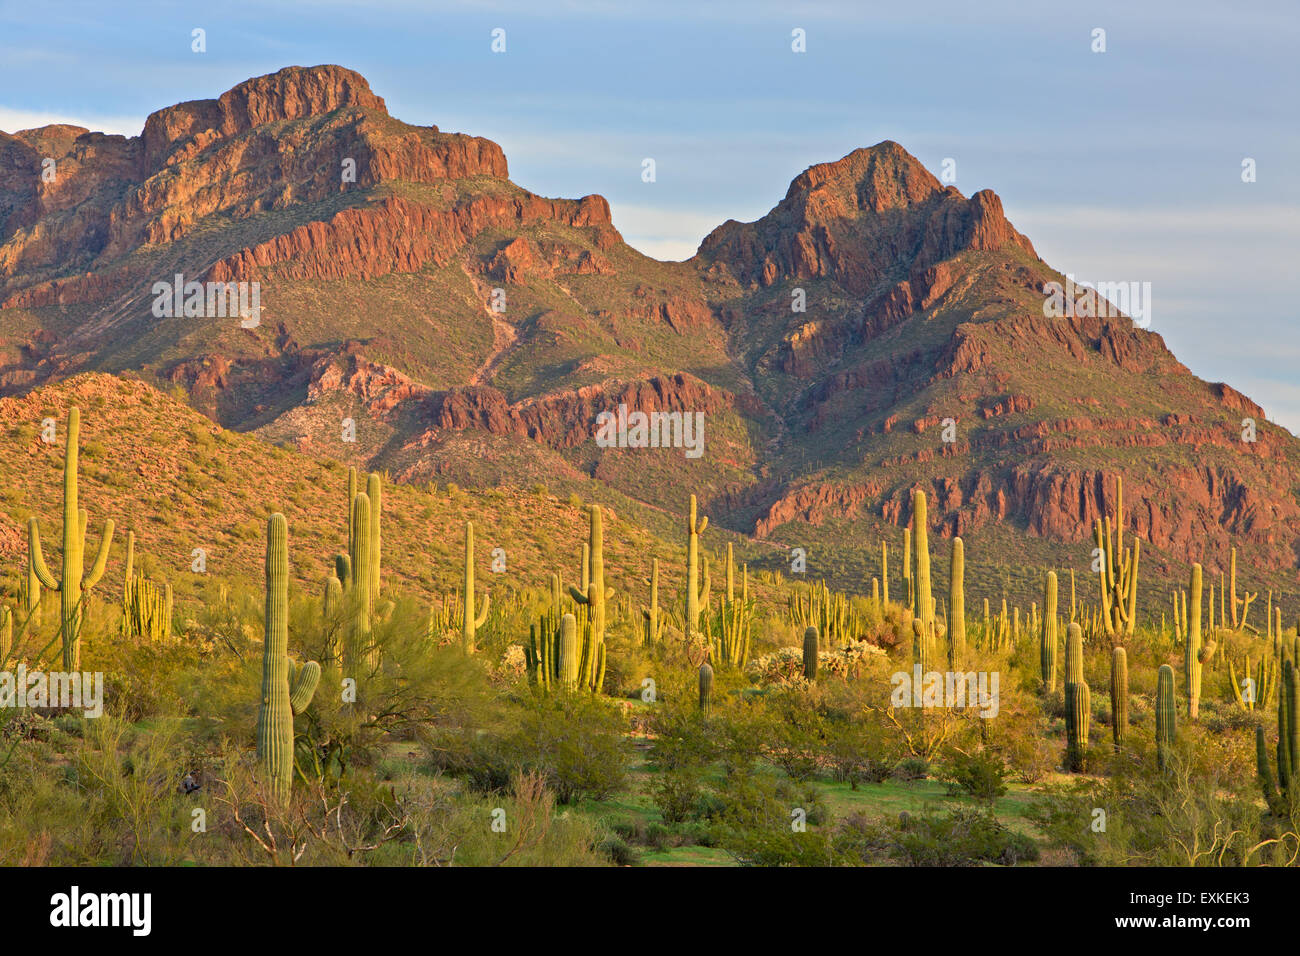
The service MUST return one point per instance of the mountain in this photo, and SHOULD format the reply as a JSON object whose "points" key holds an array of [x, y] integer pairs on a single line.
{"points": [[826, 344]]}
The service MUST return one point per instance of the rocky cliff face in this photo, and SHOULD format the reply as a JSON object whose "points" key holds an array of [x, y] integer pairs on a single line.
{"points": [[918, 353]]}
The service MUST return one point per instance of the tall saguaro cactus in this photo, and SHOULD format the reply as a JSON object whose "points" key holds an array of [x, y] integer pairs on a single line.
{"points": [[1048, 637], [286, 690], [357, 647], [75, 582], [1118, 695], [653, 621], [1195, 655], [697, 595], [1078, 698], [1288, 746], [957, 604], [472, 621], [1166, 721]]}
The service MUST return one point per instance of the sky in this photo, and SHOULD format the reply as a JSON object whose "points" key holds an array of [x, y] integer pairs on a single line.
{"points": [[1122, 165]]}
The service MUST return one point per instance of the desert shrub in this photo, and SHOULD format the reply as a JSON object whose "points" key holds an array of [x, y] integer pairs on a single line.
{"points": [[766, 821], [962, 837], [981, 775]]}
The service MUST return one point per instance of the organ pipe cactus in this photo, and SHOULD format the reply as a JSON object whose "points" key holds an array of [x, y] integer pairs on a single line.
{"points": [[1048, 637], [472, 622], [1262, 681], [286, 690], [957, 600], [1119, 571], [810, 653], [697, 593], [75, 582], [1118, 695], [1166, 721], [1194, 654]]}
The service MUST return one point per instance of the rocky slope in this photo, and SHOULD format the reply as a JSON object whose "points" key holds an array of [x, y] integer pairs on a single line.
{"points": [[875, 331]]}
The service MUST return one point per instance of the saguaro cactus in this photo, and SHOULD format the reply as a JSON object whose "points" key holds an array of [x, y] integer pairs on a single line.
{"points": [[1166, 721], [1240, 605], [1194, 655], [1048, 636], [957, 602], [374, 492], [706, 688], [357, 647], [653, 623], [810, 653], [75, 582], [908, 583], [1288, 746], [286, 690], [568, 652], [1119, 695], [1119, 570], [697, 596], [1078, 698], [884, 572], [472, 621]]}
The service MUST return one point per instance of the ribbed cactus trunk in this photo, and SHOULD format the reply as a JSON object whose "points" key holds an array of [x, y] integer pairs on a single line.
{"points": [[653, 624], [706, 688], [472, 622], [908, 584], [274, 717], [884, 572], [1048, 636], [810, 653], [75, 583], [1119, 695], [357, 647], [1192, 647], [568, 652], [957, 601], [1166, 722], [923, 628], [374, 492], [284, 693], [695, 594], [1078, 697]]}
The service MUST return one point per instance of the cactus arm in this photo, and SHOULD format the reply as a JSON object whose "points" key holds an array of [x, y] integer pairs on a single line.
{"points": [[303, 686], [39, 566], [101, 557], [483, 613]]}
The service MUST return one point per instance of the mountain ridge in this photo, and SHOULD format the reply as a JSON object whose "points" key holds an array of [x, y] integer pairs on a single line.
{"points": [[921, 306]]}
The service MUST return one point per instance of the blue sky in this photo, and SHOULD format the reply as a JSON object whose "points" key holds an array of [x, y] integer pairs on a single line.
{"points": [[1122, 165]]}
